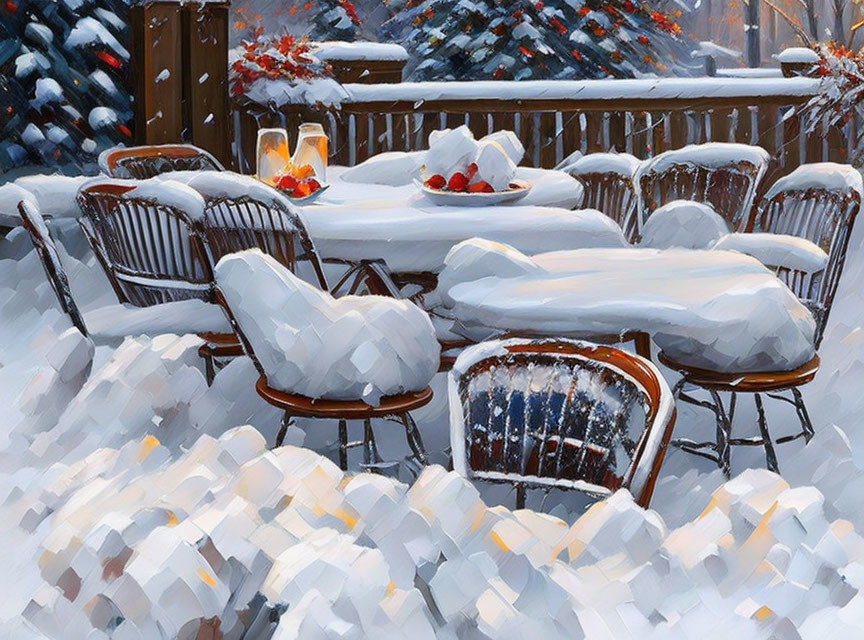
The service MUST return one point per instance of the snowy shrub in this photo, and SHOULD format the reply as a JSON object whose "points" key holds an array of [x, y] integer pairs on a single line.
{"points": [[275, 58]]}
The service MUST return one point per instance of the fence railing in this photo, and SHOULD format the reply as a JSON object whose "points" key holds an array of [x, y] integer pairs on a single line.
{"points": [[555, 118]]}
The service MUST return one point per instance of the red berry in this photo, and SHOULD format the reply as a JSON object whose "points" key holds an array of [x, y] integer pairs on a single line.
{"points": [[436, 182], [458, 182], [480, 187], [313, 184], [302, 190], [472, 170], [287, 182]]}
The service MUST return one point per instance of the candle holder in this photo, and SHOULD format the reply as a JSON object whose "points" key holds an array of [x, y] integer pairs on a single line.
{"points": [[272, 154], [312, 150]]}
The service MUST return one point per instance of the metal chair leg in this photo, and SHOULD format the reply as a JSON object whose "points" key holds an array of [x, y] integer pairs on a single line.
{"points": [[803, 415], [770, 455], [724, 432], [209, 369], [343, 445], [283, 429], [370, 449], [520, 495], [415, 440]]}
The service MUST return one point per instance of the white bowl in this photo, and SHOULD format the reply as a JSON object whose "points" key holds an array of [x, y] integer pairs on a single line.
{"points": [[465, 199]]}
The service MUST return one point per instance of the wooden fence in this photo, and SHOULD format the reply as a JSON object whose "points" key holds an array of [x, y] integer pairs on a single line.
{"points": [[555, 118]]}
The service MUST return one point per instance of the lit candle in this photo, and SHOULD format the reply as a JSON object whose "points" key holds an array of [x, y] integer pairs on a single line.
{"points": [[273, 155], [312, 150]]}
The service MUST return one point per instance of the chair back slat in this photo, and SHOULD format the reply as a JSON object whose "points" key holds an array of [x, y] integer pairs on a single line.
{"points": [[236, 224], [558, 414], [33, 222], [823, 216], [145, 162], [154, 251], [693, 173], [612, 195]]}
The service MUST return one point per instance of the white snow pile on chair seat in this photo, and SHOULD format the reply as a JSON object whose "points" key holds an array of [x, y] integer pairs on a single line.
{"points": [[170, 193], [621, 163], [311, 344], [776, 250], [54, 196], [710, 155], [821, 175], [683, 224], [229, 535], [180, 317]]}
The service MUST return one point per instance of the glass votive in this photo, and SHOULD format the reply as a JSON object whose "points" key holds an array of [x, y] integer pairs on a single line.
{"points": [[272, 154], [312, 149]]}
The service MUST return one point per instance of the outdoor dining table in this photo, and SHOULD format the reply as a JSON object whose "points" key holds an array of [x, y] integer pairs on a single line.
{"points": [[361, 221], [718, 310]]}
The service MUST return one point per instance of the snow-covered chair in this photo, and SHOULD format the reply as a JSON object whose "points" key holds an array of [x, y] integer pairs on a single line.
{"points": [[819, 203], [724, 175], [559, 413], [352, 358], [153, 247], [149, 161], [609, 188], [116, 321]]}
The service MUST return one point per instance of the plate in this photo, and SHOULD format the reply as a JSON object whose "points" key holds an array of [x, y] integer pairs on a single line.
{"points": [[312, 197], [460, 199]]}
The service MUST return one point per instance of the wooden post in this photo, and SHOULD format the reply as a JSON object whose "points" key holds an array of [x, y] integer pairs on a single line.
{"points": [[180, 74]]}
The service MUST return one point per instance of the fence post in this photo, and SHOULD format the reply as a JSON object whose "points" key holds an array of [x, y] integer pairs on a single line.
{"points": [[180, 74]]}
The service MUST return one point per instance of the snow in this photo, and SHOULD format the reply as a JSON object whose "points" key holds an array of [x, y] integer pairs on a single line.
{"points": [[227, 184], [324, 91], [619, 163], [354, 51], [821, 175], [683, 224], [450, 151], [798, 55], [88, 31], [493, 166], [55, 194], [777, 250], [182, 317], [10, 195], [168, 193], [48, 91], [393, 168], [140, 463], [102, 118], [718, 310], [710, 155], [308, 343], [509, 141]]}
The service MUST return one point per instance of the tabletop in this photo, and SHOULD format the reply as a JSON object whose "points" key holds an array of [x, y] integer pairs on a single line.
{"points": [[719, 310], [356, 221]]}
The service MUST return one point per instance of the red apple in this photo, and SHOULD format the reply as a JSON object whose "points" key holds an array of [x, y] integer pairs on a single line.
{"points": [[458, 182], [480, 187], [436, 182]]}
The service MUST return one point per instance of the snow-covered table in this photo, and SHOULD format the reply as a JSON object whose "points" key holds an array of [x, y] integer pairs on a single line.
{"points": [[357, 221], [712, 309]]}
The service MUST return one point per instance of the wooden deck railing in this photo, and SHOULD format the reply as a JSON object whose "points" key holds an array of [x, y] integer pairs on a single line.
{"points": [[556, 118]]}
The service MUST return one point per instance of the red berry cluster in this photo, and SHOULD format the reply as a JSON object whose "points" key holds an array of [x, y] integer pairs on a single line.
{"points": [[296, 188], [275, 57], [460, 182]]}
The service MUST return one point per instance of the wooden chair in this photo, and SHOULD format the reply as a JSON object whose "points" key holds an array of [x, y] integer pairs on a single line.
{"points": [[232, 224], [724, 175], [154, 251], [145, 162], [820, 203], [559, 413], [32, 220], [609, 188], [293, 405]]}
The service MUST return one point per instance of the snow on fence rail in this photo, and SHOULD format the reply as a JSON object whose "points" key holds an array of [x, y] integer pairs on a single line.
{"points": [[554, 118]]}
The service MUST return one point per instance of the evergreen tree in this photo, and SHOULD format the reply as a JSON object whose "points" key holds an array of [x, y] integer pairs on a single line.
{"points": [[63, 68], [335, 20], [536, 39]]}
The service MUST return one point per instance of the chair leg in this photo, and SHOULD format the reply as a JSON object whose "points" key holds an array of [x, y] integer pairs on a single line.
{"points": [[370, 449], [724, 432], [209, 369], [803, 415], [520, 495], [770, 455], [283, 429], [415, 440], [343, 445]]}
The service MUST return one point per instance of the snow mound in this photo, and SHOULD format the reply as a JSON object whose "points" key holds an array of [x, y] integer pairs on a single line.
{"points": [[311, 344], [821, 175], [798, 55], [710, 155], [226, 184], [622, 164], [337, 50], [776, 250], [55, 194], [450, 150], [509, 141], [170, 193], [494, 166], [683, 224], [393, 168], [10, 195]]}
